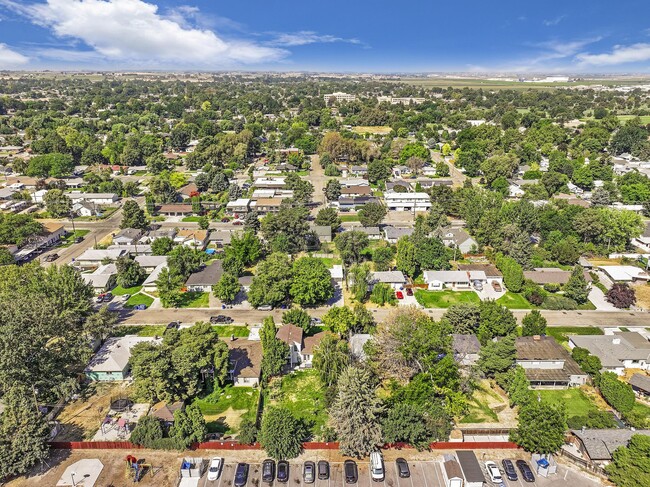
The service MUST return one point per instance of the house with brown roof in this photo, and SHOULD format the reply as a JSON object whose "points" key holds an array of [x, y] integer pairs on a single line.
{"points": [[164, 411], [547, 363], [492, 274], [192, 237], [597, 445], [245, 362], [292, 335], [356, 191], [551, 275], [188, 191], [267, 205], [175, 210], [309, 347]]}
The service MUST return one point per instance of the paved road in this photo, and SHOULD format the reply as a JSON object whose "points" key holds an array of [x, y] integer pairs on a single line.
{"points": [[555, 318], [457, 177], [318, 179]]}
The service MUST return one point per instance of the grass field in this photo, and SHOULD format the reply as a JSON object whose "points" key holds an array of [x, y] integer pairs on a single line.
{"points": [[331, 261], [69, 239], [349, 218], [140, 330], [139, 299], [444, 299], [303, 394], [226, 331], [224, 410], [377, 129], [642, 292], [561, 333], [121, 291], [195, 300], [577, 402], [514, 301], [189, 219]]}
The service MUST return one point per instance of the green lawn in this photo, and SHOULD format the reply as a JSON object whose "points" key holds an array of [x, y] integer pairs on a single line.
{"points": [[349, 218], [331, 261], [121, 291], [69, 239], [195, 300], [139, 299], [577, 402], [140, 330], [225, 409], [444, 299], [514, 301], [303, 394], [561, 333], [226, 331], [479, 410], [188, 219]]}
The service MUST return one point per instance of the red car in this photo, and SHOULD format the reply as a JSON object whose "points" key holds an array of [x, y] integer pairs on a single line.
{"points": [[409, 291], [238, 222], [399, 294]]}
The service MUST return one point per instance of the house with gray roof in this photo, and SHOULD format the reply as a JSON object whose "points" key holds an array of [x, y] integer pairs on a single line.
{"points": [[203, 280], [394, 279], [373, 233], [597, 445], [111, 362], [357, 342], [393, 234], [466, 349], [547, 364], [640, 384], [323, 232], [127, 236], [457, 237], [220, 238], [617, 352]]}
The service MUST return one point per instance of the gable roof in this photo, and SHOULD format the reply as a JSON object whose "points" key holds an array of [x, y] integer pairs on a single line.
{"points": [[600, 443], [290, 334], [312, 342], [551, 275], [490, 270], [613, 349], [245, 358], [115, 354], [165, 410], [465, 344], [207, 276], [397, 232], [641, 382], [389, 277]]}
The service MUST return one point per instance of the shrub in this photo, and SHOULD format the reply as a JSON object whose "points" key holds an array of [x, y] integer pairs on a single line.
{"points": [[247, 432], [621, 296], [382, 293], [559, 302], [551, 287], [618, 394]]}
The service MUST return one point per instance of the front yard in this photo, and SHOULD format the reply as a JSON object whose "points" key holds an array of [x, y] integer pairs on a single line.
{"points": [[225, 409], [303, 394], [444, 299], [140, 330], [561, 333], [195, 300], [514, 301], [121, 291], [69, 239], [138, 299], [226, 331]]}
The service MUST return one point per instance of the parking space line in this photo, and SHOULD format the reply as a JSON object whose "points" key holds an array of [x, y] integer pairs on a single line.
{"points": [[424, 475]]}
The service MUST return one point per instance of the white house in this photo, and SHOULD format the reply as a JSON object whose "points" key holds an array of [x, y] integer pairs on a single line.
{"points": [[149, 284], [337, 273], [111, 362], [150, 262], [457, 237], [94, 257], [95, 198], [292, 335], [625, 273], [269, 183], [309, 347], [407, 201], [617, 352], [439, 280], [192, 238], [240, 205], [102, 279], [394, 279]]}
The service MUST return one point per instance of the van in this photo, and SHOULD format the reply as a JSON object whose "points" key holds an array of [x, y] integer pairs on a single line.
{"points": [[266, 307], [376, 466]]}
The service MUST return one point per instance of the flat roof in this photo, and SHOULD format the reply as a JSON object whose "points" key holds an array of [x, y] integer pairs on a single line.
{"points": [[470, 466]]}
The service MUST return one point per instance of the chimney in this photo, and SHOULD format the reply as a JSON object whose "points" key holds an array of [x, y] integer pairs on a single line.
{"points": [[616, 341]]}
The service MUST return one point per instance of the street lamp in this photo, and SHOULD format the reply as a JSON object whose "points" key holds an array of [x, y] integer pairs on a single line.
{"points": [[72, 474]]}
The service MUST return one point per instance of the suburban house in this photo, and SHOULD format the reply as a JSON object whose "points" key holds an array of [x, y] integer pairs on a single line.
{"points": [[101, 279], [174, 210], [245, 282], [245, 362], [240, 205], [270, 183], [93, 198], [111, 362], [407, 201], [292, 335], [617, 352], [150, 262], [358, 171], [192, 237], [267, 205], [189, 191], [323, 232], [492, 274], [261, 193], [439, 280], [625, 273], [551, 275], [547, 363], [203, 280], [394, 279], [399, 186], [466, 349], [353, 191], [643, 241], [597, 445], [393, 234], [154, 235], [83, 208], [220, 238], [127, 236], [354, 182], [149, 284], [353, 203], [373, 233], [309, 347], [164, 411], [94, 257], [457, 237], [641, 385], [357, 342], [135, 249]]}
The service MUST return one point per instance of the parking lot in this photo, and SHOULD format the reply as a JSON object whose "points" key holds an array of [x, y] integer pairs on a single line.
{"points": [[423, 474]]}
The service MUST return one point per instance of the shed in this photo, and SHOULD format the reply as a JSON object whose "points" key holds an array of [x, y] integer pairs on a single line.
{"points": [[471, 468]]}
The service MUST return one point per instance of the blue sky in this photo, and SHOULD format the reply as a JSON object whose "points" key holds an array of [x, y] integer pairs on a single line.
{"points": [[590, 36]]}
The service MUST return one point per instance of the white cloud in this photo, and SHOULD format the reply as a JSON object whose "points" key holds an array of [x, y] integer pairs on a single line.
{"points": [[550, 55], [132, 31], [553, 22], [10, 58], [633, 53], [305, 37]]}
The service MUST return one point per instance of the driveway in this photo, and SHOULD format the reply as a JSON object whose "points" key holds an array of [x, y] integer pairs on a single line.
{"points": [[597, 297]]}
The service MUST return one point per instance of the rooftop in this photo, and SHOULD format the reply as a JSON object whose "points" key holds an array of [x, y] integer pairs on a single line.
{"points": [[641, 382], [207, 276], [245, 358], [116, 353], [601, 443], [290, 334], [613, 349]]}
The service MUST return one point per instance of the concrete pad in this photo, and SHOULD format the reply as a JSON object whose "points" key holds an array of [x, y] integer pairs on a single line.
{"points": [[82, 473]]}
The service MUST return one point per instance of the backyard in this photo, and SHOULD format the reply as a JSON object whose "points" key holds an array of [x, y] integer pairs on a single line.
{"points": [[69, 239], [576, 400], [444, 299], [303, 394], [488, 406], [140, 330], [225, 409]]}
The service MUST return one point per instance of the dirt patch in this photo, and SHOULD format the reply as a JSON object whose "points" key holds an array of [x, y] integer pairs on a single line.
{"points": [[80, 419], [488, 401], [642, 292], [595, 397]]}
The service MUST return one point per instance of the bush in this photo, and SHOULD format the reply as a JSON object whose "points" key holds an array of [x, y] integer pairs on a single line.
{"points": [[382, 293], [551, 287], [594, 419], [559, 302], [618, 394], [247, 432], [147, 431], [621, 296]]}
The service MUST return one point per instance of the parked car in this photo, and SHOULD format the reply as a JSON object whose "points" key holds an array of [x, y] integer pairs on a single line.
{"points": [[493, 472], [509, 469], [403, 468], [140, 307], [316, 321], [225, 220], [309, 472], [478, 285], [409, 291], [238, 223], [525, 470], [377, 472], [51, 257], [399, 294], [78, 240], [220, 319], [174, 325], [323, 470], [265, 307], [108, 297], [241, 474], [283, 471], [496, 286], [126, 297], [100, 298], [215, 468], [268, 470], [351, 472]]}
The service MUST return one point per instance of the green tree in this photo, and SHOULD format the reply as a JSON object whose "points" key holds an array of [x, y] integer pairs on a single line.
{"points": [[331, 357], [281, 434], [169, 288], [286, 230], [133, 216], [497, 357], [183, 260], [630, 465], [382, 257], [617, 393], [298, 317], [162, 246], [407, 423], [589, 363], [147, 431], [464, 318], [272, 282], [350, 244], [577, 287], [6, 257], [533, 324], [541, 428], [359, 277], [247, 432], [312, 282], [333, 190], [328, 217], [57, 203], [227, 288], [357, 413], [340, 320], [189, 425], [371, 214], [129, 272], [495, 321], [275, 351], [406, 256], [383, 293]]}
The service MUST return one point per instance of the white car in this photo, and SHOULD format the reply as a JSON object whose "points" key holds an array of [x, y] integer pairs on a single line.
{"points": [[493, 472], [215, 468]]}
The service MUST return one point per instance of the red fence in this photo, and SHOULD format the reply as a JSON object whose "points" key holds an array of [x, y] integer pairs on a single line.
{"points": [[233, 445]]}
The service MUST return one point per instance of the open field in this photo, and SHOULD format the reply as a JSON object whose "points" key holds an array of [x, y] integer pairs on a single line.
{"points": [[488, 406], [642, 292], [226, 331], [444, 299], [487, 84], [303, 394], [378, 129], [645, 119], [224, 410], [561, 333]]}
